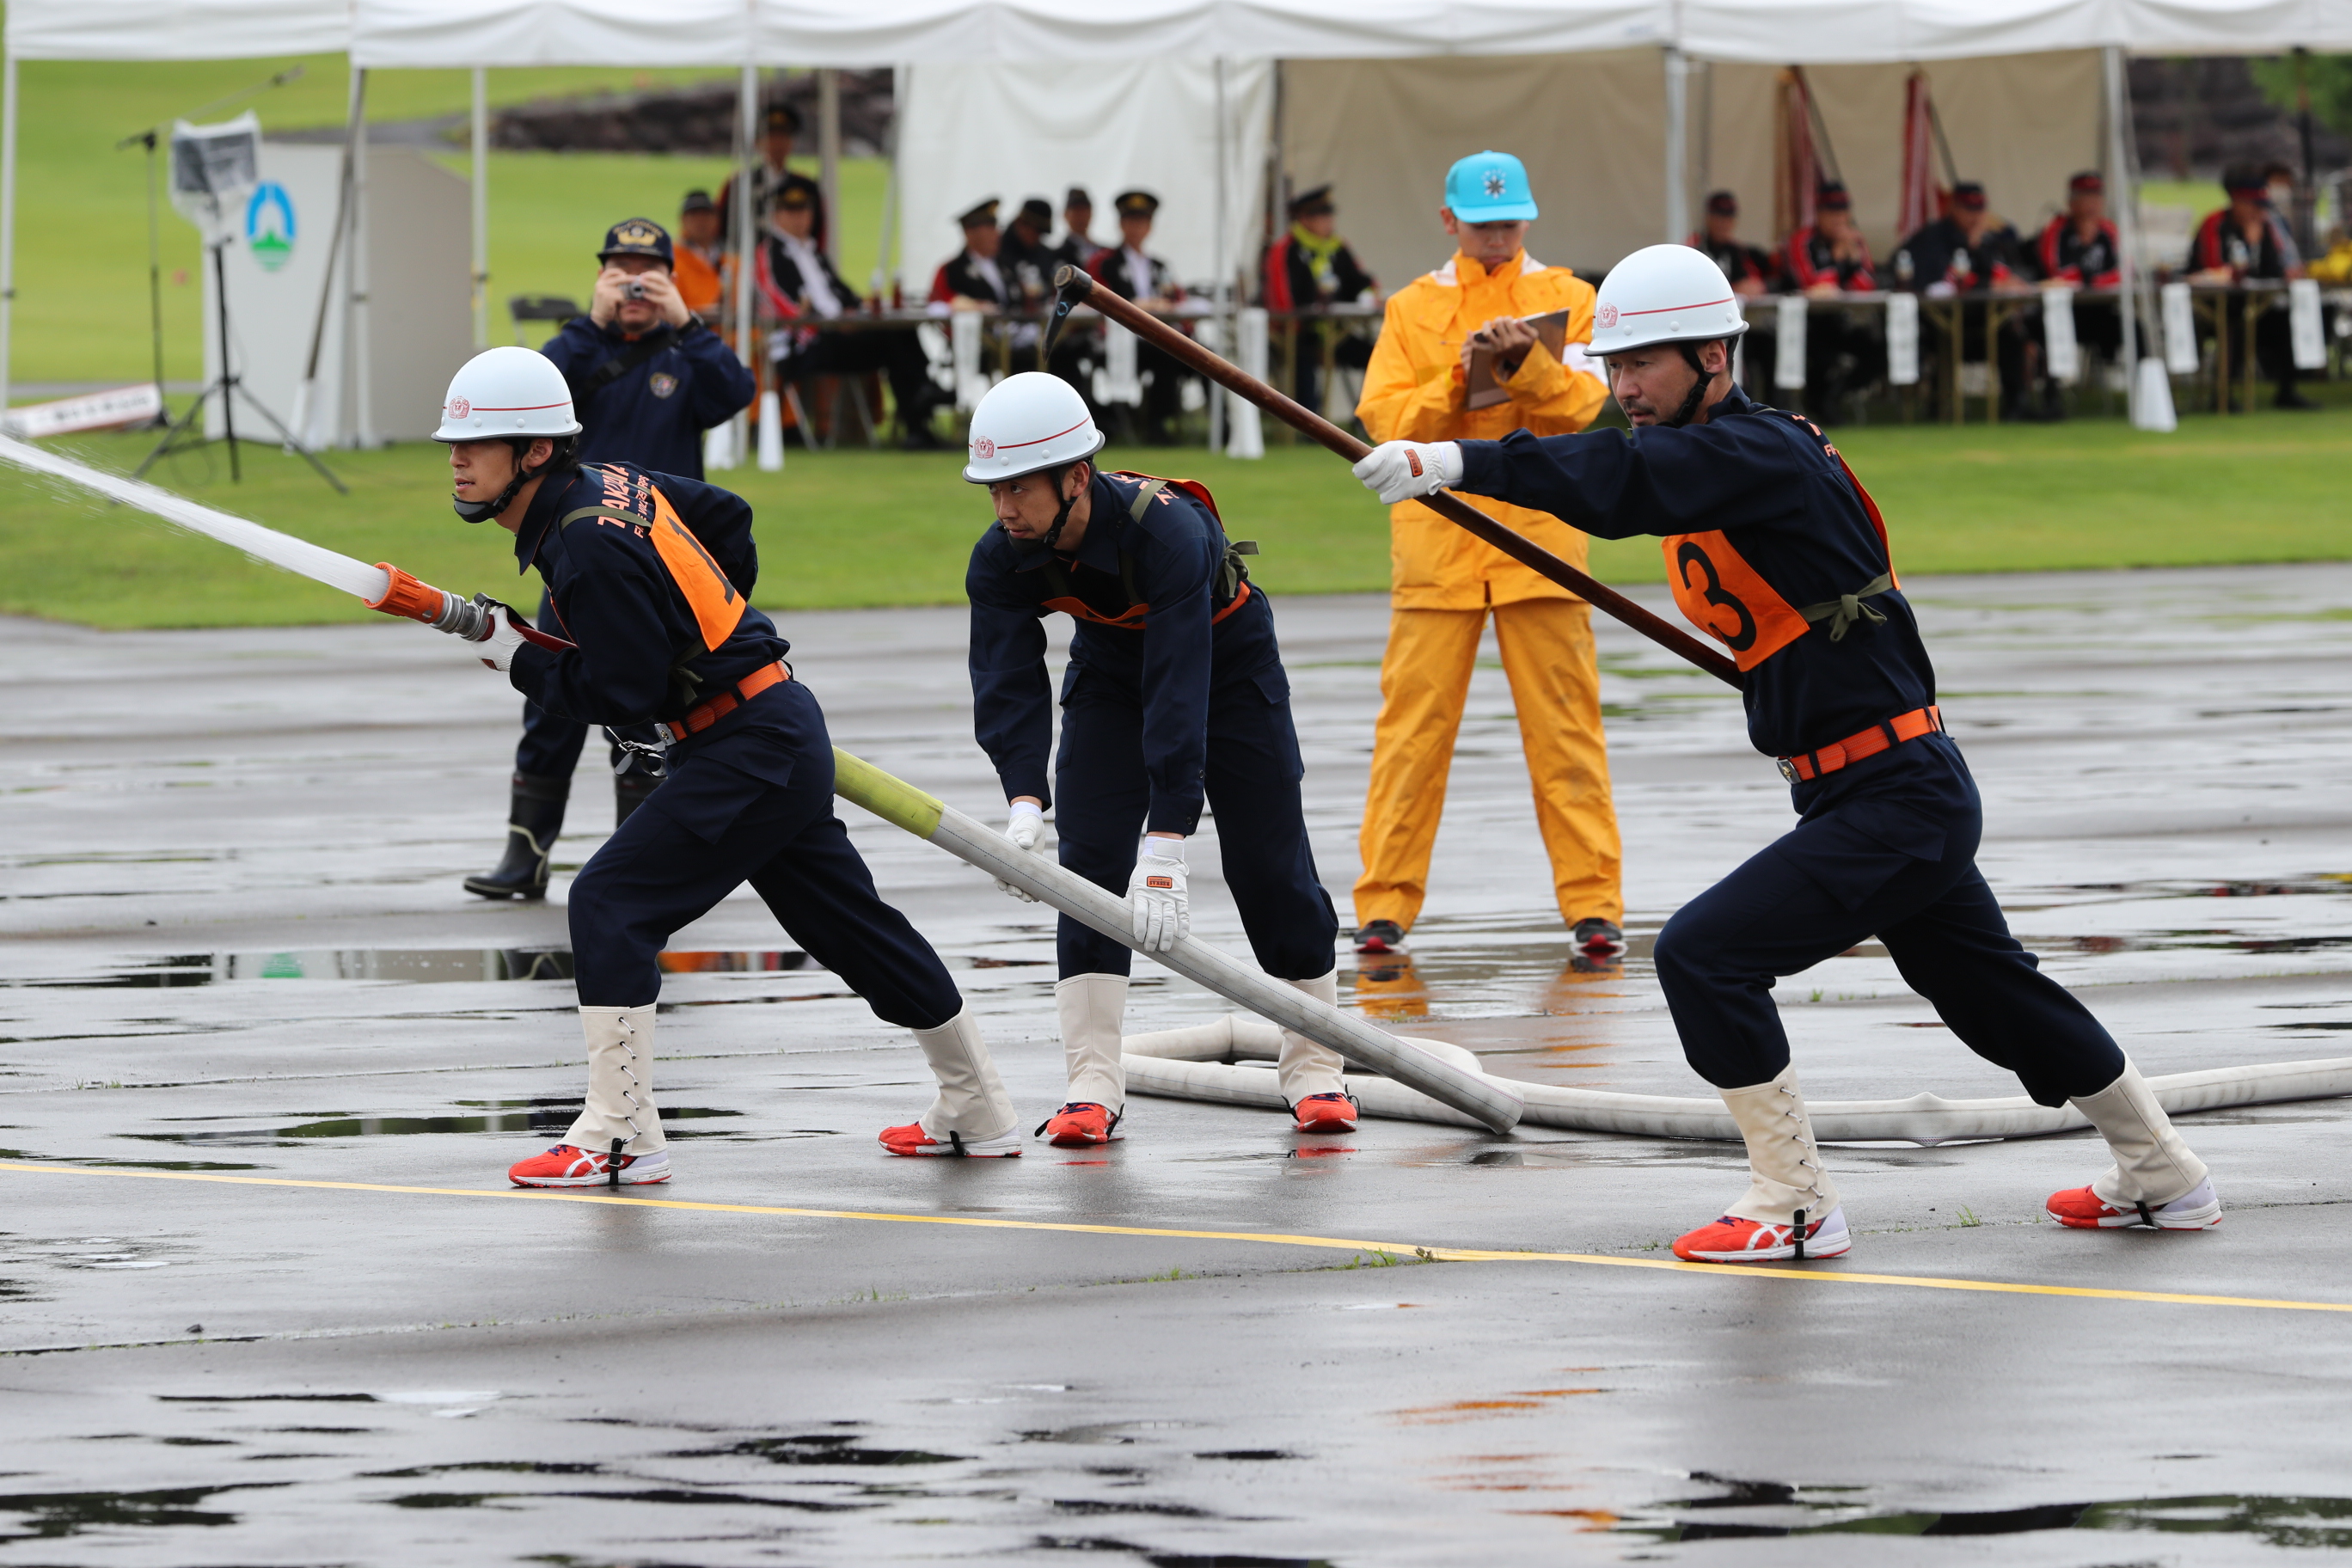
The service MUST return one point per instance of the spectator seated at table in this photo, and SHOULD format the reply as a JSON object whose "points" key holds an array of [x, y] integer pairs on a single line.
{"points": [[1027, 258], [1133, 272], [2079, 249], [973, 279], [1309, 269], [1829, 256], [697, 270], [1077, 248], [1825, 259], [1972, 253], [1750, 271], [2248, 240], [801, 288]]}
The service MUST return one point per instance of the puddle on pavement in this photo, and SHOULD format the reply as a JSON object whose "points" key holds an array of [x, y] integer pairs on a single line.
{"points": [[1172, 1559], [551, 1113], [50, 1516], [2310, 1522], [820, 1449], [420, 965]]}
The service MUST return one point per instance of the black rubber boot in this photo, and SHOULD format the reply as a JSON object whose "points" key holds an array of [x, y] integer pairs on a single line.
{"points": [[629, 791], [533, 819]]}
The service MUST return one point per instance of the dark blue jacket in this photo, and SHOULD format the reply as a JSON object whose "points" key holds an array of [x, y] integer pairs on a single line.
{"points": [[653, 414], [644, 612], [1788, 514], [1175, 666]]}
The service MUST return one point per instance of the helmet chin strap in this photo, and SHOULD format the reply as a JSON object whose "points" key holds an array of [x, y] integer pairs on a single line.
{"points": [[481, 511], [1698, 393], [1061, 517]]}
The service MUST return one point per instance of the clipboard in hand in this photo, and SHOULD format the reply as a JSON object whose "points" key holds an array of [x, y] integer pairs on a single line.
{"points": [[1480, 386]]}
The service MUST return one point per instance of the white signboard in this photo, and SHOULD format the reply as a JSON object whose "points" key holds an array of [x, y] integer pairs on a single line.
{"points": [[420, 320]]}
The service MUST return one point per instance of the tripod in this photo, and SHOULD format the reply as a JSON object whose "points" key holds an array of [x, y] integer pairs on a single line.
{"points": [[228, 387]]}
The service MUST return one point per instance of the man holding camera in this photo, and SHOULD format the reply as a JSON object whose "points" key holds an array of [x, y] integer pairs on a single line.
{"points": [[647, 378]]}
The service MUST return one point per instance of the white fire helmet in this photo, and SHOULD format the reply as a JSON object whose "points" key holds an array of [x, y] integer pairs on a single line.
{"points": [[506, 392], [1028, 423], [1664, 294]]}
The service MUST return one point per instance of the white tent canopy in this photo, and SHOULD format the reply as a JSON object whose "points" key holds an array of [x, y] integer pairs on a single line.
{"points": [[957, 37], [433, 34]]}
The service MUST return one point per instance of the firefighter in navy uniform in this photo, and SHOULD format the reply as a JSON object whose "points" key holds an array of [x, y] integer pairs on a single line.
{"points": [[658, 634], [646, 378], [1175, 691], [1773, 547]]}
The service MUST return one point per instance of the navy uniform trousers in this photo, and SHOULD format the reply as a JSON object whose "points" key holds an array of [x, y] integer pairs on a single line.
{"points": [[551, 743], [1102, 796], [1891, 855], [751, 802]]}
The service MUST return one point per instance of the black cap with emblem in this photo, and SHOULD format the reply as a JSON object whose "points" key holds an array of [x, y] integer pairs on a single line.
{"points": [[638, 237], [1312, 204], [1135, 204], [980, 216]]}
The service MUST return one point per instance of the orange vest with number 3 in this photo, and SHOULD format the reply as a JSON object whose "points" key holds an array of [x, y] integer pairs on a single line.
{"points": [[1722, 595]]}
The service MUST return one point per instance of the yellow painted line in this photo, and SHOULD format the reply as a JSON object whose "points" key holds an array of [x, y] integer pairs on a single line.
{"points": [[1272, 1239]]}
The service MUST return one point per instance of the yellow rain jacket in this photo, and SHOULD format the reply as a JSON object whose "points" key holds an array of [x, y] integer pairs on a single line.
{"points": [[1412, 392]]}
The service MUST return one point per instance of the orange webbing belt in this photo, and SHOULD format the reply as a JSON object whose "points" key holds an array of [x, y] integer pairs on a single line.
{"points": [[711, 709], [1882, 736]]}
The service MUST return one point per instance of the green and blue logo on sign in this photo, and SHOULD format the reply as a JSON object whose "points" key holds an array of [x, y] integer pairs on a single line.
{"points": [[269, 225]]}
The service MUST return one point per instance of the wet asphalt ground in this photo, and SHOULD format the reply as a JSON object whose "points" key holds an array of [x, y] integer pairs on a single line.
{"points": [[235, 948]]}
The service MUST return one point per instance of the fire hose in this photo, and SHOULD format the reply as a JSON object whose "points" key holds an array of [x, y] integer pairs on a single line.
{"points": [[1426, 1080]]}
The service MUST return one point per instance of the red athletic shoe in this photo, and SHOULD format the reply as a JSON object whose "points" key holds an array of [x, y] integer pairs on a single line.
{"points": [[912, 1139], [565, 1166], [1081, 1124], [1325, 1113], [1730, 1240], [2080, 1208]]}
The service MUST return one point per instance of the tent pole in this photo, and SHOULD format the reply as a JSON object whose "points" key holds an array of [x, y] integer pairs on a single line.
{"points": [[2124, 200], [1678, 226], [747, 143], [8, 218], [885, 274], [482, 171], [356, 337], [828, 156], [1224, 297]]}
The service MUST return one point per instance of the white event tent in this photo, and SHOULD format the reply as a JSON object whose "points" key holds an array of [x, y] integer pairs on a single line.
{"points": [[1377, 93]]}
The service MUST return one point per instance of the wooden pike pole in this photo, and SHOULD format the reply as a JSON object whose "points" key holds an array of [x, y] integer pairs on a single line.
{"points": [[1072, 286]]}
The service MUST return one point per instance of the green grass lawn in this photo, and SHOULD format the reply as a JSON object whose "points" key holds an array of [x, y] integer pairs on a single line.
{"points": [[81, 233], [859, 528]]}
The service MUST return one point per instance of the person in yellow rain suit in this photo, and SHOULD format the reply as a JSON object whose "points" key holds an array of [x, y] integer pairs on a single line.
{"points": [[1444, 582]]}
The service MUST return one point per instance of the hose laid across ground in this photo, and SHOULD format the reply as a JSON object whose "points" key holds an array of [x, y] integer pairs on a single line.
{"points": [[1445, 1082], [1205, 1063]]}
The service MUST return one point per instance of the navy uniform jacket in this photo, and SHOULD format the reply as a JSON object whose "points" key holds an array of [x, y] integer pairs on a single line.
{"points": [[659, 624], [1181, 659], [1762, 519], [653, 414]]}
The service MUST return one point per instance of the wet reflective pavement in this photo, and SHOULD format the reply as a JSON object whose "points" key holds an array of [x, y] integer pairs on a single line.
{"points": [[211, 1373]]}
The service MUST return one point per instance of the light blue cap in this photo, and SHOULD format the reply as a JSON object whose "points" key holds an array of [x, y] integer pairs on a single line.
{"points": [[1490, 187]]}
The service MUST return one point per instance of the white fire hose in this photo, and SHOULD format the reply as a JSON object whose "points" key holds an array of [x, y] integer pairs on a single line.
{"points": [[1199, 1063], [1459, 1092]]}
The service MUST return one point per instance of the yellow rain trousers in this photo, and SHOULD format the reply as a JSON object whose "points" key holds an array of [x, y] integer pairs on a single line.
{"points": [[1443, 583]]}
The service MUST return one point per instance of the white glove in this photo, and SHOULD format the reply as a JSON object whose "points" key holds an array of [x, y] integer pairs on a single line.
{"points": [[1400, 471], [498, 649], [1024, 825], [1155, 895]]}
